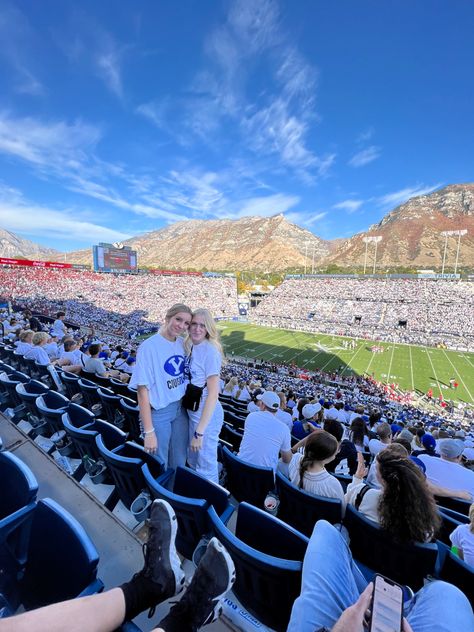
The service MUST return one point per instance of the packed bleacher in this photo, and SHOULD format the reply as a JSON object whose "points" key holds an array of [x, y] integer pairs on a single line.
{"points": [[120, 304], [431, 311], [295, 451]]}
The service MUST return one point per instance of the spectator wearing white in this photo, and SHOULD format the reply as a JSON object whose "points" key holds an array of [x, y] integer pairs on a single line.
{"points": [[265, 436], [94, 364], [37, 352], [51, 348], [384, 433], [463, 538], [231, 388], [242, 394], [282, 414], [72, 353], [447, 471], [59, 328], [205, 360], [25, 342], [307, 470]]}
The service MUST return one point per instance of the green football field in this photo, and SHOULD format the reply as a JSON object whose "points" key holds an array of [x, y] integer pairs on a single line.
{"points": [[412, 367]]}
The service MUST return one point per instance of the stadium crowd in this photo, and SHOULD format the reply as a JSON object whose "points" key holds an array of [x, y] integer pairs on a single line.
{"points": [[118, 304], [426, 312]]}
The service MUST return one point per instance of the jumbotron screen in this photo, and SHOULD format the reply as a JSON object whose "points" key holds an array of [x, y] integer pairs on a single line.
{"points": [[114, 258]]}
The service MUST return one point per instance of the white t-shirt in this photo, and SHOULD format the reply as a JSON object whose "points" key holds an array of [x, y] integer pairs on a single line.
{"points": [[52, 350], [463, 538], [205, 361], [23, 347], [75, 357], [376, 446], [160, 367], [448, 474], [59, 328], [38, 354], [285, 418], [264, 437], [316, 483]]}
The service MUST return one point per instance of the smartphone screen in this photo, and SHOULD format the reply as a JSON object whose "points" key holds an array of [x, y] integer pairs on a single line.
{"points": [[387, 606]]}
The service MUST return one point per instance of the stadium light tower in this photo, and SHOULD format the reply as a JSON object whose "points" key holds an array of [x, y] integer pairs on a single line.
{"points": [[445, 234], [371, 240], [459, 233], [305, 256], [312, 267]]}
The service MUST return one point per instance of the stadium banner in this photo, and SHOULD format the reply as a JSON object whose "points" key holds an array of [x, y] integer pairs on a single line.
{"points": [[424, 275], [39, 264], [174, 272]]}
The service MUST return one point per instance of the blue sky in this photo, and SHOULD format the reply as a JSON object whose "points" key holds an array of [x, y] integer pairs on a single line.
{"points": [[120, 117]]}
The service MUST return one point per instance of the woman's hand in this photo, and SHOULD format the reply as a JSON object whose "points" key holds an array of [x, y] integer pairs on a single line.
{"points": [[361, 471], [151, 443], [352, 619], [196, 443]]}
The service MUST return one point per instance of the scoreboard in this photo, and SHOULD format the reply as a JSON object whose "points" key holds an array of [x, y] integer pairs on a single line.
{"points": [[115, 258]]}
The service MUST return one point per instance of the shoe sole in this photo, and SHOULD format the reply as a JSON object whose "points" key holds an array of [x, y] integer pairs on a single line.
{"points": [[173, 557], [214, 542]]}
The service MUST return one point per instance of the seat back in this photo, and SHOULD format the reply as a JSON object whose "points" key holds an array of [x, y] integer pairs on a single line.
{"points": [[237, 422], [131, 413], [457, 572], [231, 436], [450, 520], [246, 482], [78, 416], [302, 510], [18, 484], [405, 563], [110, 404], [265, 585], [89, 392], [71, 384], [51, 406], [456, 504], [62, 560], [28, 393], [189, 483], [9, 383]]}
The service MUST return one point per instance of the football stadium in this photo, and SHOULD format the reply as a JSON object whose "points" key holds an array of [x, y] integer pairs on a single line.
{"points": [[236, 316]]}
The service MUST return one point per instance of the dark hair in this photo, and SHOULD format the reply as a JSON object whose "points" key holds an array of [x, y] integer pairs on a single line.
{"points": [[407, 509], [358, 431], [320, 446], [404, 442], [299, 407], [69, 344], [94, 348], [374, 418], [420, 432], [59, 314], [334, 428]]}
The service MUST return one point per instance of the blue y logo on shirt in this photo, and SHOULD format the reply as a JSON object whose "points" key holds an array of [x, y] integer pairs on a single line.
{"points": [[175, 365]]}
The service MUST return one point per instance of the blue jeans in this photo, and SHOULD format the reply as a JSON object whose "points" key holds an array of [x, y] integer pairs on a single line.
{"points": [[204, 461], [332, 582], [171, 428]]}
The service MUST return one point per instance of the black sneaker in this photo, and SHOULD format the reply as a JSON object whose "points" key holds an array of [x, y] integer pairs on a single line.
{"points": [[162, 564], [201, 602]]}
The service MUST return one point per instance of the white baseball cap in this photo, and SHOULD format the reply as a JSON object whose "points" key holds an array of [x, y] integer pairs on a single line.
{"points": [[270, 399]]}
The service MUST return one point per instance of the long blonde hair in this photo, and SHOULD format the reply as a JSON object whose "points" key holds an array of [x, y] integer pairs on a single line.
{"points": [[212, 334], [177, 308]]}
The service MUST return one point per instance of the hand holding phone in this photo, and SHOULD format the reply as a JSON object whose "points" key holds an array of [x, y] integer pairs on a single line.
{"points": [[387, 606]]}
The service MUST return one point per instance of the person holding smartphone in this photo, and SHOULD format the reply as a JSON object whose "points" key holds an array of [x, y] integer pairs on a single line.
{"points": [[336, 597]]}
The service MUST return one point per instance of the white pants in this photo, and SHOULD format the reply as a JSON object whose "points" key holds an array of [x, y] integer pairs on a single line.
{"points": [[204, 461]]}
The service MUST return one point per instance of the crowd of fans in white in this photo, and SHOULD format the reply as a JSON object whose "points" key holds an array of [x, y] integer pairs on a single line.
{"points": [[119, 304], [435, 311]]}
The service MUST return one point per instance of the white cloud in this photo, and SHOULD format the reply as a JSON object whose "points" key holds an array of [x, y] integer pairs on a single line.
{"points": [[391, 200], [305, 219], [108, 64], [351, 206], [364, 157], [265, 206], [365, 135]]}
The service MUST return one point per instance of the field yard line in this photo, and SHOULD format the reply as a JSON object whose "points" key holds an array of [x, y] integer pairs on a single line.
{"points": [[434, 371], [411, 371], [390, 364], [272, 334], [467, 359], [370, 362], [458, 374], [280, 345], [348, 364]]}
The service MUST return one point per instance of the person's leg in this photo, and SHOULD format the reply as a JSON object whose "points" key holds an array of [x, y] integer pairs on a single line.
{"points": [[162, 423], [193, 420], [97, 613], [179, 437], [206, 463], [442, 607], [331, 581]]}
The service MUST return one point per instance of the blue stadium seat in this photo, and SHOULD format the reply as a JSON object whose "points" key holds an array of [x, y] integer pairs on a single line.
{"points": [[61, 561], [236, 421], [344, 480], [32, 371], [456, 504], [8, 385], [71, 384], [111, 409], [231, 437], [406, 563], [89, 392], [246, 482], [51, 407], [131, 413], [457, 572], [28, 394], [268, 557], [450, 520], [191, 497], [17, 503], [125, 466], [302, 510]]}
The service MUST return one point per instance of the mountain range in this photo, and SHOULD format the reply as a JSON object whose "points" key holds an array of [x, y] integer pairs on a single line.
{"points": [[411, 236]]}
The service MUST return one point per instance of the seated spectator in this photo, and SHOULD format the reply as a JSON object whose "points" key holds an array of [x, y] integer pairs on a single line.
{"points": [[242, 394], [384, 434], [51, 348], [31, 321], [72, 354], [404, 506], [448, 470], [37, 352], [310, 422], [307, 470], [231, 388], [265, 436], [25, 341], [358, 434], [428, 443], [345, 461], [282, 413], [93, 364], [463, 539]]}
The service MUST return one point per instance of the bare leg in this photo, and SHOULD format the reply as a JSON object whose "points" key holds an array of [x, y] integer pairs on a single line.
{"points": [[103, 612]]}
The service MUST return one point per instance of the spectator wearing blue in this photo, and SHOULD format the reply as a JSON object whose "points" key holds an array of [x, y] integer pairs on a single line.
{"points": [[310, 422], [429, 446]]}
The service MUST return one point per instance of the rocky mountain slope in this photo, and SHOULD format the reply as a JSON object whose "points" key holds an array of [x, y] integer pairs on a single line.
{"points": [[250, 243], [412, 233], [14, 247]]}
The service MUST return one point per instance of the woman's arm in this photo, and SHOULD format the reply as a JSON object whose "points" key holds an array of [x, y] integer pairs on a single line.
{"points": [[150, 439], [212, 384], [436, 490]]}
